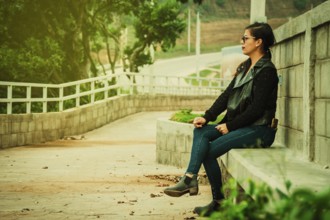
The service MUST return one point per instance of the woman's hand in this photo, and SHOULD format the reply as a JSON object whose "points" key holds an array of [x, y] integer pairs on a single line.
{"points": [[222, 128], [199, 122]]}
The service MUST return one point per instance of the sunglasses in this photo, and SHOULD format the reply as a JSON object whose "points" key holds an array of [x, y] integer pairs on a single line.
{"points": [[244, 38]]}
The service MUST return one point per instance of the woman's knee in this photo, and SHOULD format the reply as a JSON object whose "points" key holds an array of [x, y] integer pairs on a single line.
{"points": [[198, 131], [206, 131]]}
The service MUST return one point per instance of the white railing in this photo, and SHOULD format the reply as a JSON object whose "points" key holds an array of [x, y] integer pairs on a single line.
{"points": [[88, 91]]}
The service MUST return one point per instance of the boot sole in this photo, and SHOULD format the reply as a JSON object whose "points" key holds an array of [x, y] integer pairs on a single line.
{"points": [[173, 193]]}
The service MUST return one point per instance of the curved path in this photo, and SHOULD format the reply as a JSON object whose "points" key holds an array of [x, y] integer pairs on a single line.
{"points": [[111, 173]]}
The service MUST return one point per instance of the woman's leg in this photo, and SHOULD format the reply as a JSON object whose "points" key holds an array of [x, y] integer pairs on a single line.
{"points": [[247, 137], [200, 146], [241, 138], [251, 136], [214, 175]]}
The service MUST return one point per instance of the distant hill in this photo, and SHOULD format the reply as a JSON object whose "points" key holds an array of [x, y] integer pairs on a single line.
{"points": [[241, 8], [223, 26]]}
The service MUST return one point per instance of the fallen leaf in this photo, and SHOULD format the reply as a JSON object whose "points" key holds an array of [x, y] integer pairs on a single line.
{"points": [[154, 195]]}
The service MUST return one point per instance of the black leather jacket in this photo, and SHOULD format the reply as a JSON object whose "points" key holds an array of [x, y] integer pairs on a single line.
{"points": [[242, 93], [239, 96]]}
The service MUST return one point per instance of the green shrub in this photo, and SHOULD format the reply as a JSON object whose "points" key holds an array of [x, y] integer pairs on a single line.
{"points": [[263, 203], [186, 116]]}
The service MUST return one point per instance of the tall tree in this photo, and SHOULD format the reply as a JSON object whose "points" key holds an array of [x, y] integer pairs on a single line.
{"points": [[107, 24], [52, 41], [157, 23], [41, 41]]}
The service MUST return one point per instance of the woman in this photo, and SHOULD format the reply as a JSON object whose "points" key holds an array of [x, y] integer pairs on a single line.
{"points": [[250, 105]]}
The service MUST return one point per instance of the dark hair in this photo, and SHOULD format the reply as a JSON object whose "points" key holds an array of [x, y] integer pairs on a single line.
{"points": [[262, 31]]}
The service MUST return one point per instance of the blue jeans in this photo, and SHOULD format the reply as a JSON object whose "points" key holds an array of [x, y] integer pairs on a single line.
{"points": [[209, 144]]}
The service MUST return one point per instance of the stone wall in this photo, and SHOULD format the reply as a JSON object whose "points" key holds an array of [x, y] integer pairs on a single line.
{"points": [[302, 56], [23, 129], [173, 142]]}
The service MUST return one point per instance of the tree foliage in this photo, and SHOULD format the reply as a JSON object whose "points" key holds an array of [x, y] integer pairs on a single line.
{"points": [[56, 41], [156, 24], [195, 1], [34, 31]]}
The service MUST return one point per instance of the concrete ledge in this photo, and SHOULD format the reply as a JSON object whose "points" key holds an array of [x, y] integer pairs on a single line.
{"points": [[173, 142], [23, 129], [272, 166], [318, 16]]}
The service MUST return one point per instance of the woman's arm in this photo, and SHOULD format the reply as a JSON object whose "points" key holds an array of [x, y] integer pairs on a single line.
{"points": [[220, 104]]}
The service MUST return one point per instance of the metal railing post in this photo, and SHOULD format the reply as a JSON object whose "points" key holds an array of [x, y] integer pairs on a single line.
{"points": [[93, 93], [106, 87], [44, 102], [77, 94], [28, 96], [61, 99], [9, 96]]}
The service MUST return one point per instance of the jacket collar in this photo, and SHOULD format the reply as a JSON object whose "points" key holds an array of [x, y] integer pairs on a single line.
{"points": [[242, 78], [264, 59]]}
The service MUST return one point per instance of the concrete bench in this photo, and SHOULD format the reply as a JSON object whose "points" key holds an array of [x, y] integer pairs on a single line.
{"points": [[263, 165], [274, 166]]}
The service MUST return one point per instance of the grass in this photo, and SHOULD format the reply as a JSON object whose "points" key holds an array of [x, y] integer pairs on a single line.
{"points": [[206, 73], [181, 50]]}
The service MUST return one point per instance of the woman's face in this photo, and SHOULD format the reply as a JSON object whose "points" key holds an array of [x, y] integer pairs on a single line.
{"points": [[248, 42]]}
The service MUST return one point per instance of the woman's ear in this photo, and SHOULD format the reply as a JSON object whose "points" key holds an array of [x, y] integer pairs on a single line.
{"points": [[258, 42]]}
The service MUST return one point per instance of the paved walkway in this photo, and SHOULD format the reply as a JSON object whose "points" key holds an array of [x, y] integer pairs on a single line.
{"points": [[110, 174]]}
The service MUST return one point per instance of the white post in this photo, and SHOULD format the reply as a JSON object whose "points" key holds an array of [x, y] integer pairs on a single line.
{"points": [[9, 96], [197, 44], [77, 95], [189, 27], [93, 92], [119, 82], [60, 108], [28, 97], [151, 70], [44, 97], [257, 11], [106, 85]]}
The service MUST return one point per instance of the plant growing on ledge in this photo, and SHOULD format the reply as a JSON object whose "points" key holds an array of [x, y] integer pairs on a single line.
{"points": [[187, 116]]}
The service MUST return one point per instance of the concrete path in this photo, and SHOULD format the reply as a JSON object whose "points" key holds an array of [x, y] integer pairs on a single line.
{"points": [[110, 174]]}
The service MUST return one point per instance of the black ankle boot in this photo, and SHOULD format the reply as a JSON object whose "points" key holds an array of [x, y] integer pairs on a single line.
{"points": [[185, 185], [206, 211]]}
